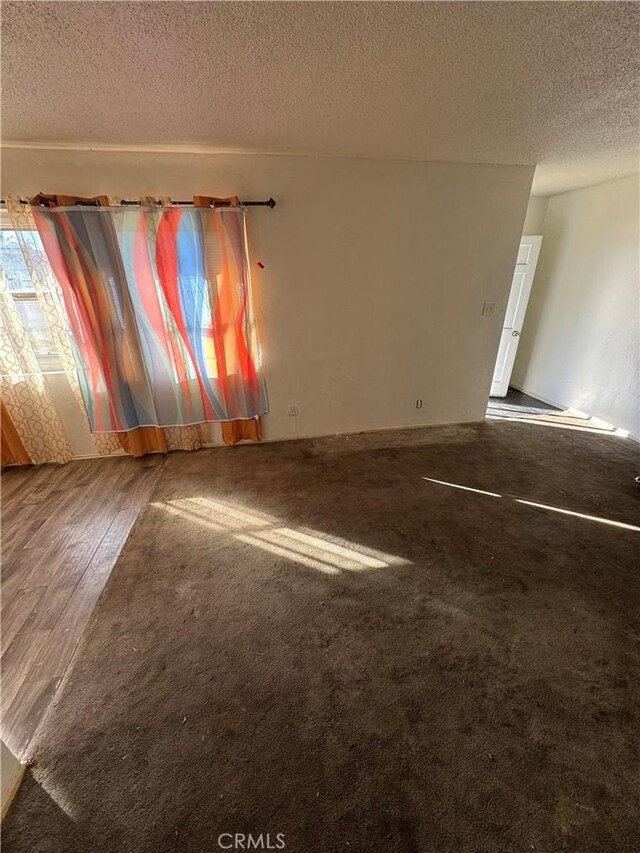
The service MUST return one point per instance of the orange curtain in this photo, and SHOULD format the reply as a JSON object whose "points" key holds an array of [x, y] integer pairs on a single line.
{"points": [[235, 431], [12, 450], [138, 442]]}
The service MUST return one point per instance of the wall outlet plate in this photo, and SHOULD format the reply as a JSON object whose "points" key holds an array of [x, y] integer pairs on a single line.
{"points": [[293, 410], [488, 309]]}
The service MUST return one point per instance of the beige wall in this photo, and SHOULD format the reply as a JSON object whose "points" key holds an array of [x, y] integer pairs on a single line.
{"points": [[375, 272], [534, 220], [580, 340]]}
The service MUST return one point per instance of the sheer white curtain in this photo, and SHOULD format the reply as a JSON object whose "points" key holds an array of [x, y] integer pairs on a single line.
{"points": [[25, 395]]}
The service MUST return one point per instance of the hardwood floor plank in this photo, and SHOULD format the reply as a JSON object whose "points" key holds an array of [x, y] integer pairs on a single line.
{"points": [[97, 513], [49, 531], [21, 482], [44, 480], [12, 481], [18, 567], [55, 654], [63, 529], [47, 611], [72, 564], [109, 550], [16, 608], [17, 662], [25, 713], [60, 646], [62, 565], [141, 488], [18, 528]]}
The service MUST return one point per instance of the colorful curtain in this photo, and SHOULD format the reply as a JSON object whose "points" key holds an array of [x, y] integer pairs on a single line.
{"points": [[159, 301]]}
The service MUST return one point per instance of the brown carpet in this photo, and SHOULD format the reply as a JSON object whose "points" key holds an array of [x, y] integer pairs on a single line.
{"points": [[311, 639]]}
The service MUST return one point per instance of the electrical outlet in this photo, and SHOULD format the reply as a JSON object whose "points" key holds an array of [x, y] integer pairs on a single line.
{"points": [[418, 404], [293, 410], [488, 309]]}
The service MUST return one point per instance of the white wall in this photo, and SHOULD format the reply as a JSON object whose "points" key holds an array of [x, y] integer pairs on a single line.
{"points": [[375, 272], [580, 340], [534, 220]]}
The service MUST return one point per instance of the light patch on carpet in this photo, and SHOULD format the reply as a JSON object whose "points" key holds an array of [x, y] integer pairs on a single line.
{"points": [[305, 546], [598, 519]]}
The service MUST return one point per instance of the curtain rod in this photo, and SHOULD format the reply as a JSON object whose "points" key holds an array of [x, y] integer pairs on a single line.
{"points": [[270, 202]]}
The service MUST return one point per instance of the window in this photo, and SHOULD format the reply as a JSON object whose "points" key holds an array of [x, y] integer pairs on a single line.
{"points": [[24, 294]]}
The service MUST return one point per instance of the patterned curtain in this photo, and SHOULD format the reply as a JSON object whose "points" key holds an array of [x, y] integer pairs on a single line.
{"points": [[25, 397], [159, 301], [52, 304]]}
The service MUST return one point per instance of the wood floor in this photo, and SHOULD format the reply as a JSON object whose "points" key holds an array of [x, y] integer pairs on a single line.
{"points": [[63, 528]]}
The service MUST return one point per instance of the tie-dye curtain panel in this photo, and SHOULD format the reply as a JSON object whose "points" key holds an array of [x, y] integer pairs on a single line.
{"points": [[159, 301]]}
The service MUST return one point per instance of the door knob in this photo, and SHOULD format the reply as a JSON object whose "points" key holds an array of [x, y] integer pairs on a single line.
{"points": [[515, 333]]}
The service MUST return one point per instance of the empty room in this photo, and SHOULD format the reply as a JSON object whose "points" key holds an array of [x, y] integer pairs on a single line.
{"points": [[320, 363]]}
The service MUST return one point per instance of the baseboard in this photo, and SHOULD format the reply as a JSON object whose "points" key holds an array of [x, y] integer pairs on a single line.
{"points": [[211, 446], [370, 431]]}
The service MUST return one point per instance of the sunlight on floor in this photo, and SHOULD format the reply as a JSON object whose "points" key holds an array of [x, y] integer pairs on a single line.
{"points": [[466, 488], [294, 556], [579, 514], [572, 419], [558, 423], [191, 516], [595, 518], [215, 515], [311, 548], [56, 795]]}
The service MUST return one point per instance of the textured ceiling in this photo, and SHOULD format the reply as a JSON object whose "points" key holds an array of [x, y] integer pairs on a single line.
{"points": [[555, 84]]}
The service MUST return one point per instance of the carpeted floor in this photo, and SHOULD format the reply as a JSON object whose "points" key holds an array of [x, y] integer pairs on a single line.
{"points": [[311, 639]]}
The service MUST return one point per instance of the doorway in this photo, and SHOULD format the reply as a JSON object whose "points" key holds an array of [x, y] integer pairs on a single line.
{"points": [[524, 272]]}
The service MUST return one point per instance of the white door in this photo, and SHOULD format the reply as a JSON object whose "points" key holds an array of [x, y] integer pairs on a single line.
{"points": [[514, 316]]}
